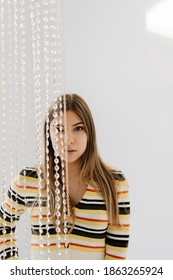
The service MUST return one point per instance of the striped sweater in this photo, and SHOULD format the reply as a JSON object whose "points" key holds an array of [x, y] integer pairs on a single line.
{"points": [[92, 236]]}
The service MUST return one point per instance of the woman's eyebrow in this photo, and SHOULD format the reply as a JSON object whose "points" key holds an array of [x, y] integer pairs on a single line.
{"points": [[78, 123], [73, 124]]}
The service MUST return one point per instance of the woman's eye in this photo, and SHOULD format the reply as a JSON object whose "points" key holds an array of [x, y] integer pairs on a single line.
{"points": [[58, 129], [79, 128]]}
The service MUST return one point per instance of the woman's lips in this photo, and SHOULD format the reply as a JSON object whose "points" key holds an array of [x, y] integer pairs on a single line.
{"points": [[71, 151]]}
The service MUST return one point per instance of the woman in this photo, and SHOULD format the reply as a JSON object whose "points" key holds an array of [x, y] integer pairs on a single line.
{"points": [[86, 219]]}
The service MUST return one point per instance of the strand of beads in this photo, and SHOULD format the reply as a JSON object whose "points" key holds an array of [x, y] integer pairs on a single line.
{"points": [[23, 89], [35, 26], [16, 82], [3, 93], [16, 92], [65, 193], [53, 47], [57, 183], [60, 50], [61, 148], [47, 186], [61, 79], [10, 87], [55, 89], [58, 43], [47, 86], [10, 108]]}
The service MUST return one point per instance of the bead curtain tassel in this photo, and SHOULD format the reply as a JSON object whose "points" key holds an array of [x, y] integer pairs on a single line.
{"points": [[40, 59]]}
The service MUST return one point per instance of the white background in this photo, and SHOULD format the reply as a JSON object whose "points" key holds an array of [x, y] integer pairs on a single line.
{"points": [[119, 58]]}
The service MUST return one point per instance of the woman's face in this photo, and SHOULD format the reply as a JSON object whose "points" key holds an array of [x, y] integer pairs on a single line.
{"points": [[75, 138]]}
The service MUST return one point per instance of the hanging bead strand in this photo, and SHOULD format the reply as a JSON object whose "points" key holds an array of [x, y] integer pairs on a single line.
{"points": [[47, 88], [35, 25], [3, 77], [10, 88], [59, 88], [38, 123], [53, 46], [53, 27], [61, 83], [23, 89], [65, 195], [16, 91], [57, 184], [62, 78], [16, 82], [10, 108]]}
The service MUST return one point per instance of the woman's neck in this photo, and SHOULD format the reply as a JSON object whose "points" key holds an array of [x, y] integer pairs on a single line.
{"points": [[73, 170], [77, 186]]}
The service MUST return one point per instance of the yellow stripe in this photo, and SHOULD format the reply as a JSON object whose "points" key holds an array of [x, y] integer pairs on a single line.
{"points": [[113, 250]]}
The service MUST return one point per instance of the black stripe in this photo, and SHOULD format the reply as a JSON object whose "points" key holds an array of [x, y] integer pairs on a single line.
{"points": [[118, 175], [88, 234], [43, 226], [29, 173], [118, 235], [93, 200], [28, 199], [90, 206], [44, 231], [9, 217], [124, 211], [117, 243], [35, 202], [90, 229], [15, 197], [124, 203], [10, 252], [8, 230], [20, 199], [36, 230]]}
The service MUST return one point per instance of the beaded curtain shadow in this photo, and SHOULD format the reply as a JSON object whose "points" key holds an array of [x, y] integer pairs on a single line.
{"points": [[32, 75]]}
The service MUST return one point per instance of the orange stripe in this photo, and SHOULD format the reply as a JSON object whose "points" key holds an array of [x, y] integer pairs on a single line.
{"points": [[43, 216], [86, 246], [51, 244], [6, 241], [115, 257], [124, 225], [91, 190], [88, 219], [27, 187], [122, 192], [74, 244], [45, 245], [12, 208]]}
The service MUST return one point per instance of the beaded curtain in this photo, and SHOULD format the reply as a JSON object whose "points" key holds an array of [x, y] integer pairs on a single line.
{"points": [[32, 75]]}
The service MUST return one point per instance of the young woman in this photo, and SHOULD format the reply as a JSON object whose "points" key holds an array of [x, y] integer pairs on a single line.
{"points": [[89, 218]]}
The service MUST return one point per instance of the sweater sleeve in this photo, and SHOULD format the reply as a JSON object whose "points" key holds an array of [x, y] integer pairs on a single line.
{"points": [[16, 201], [117, 237]]}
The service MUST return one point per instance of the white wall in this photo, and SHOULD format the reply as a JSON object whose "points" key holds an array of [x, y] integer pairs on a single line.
{"points": [[120, 60], [124, 71]]}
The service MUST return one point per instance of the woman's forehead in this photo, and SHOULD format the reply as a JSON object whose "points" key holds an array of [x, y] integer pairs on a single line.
{"points": [[71, 117]]}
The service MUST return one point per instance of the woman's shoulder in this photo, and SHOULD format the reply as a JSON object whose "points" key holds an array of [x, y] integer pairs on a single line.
{"points": [[30, 172], [25, 182], [121, 181], [28, 175], [117, 173]]}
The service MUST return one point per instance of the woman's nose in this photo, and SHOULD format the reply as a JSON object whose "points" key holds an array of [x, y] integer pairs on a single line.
{"points": [[69, 138]]}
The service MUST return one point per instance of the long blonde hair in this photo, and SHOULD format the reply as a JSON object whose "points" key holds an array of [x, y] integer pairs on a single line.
{"points": [[92, 166]]}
